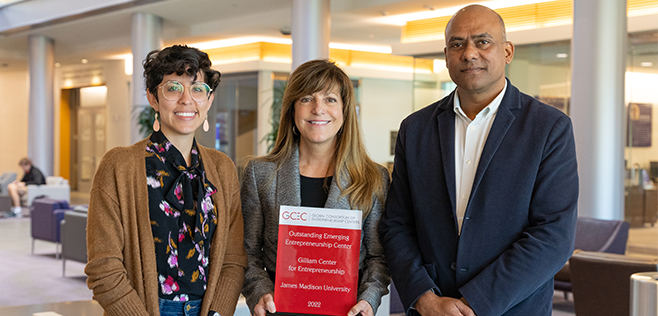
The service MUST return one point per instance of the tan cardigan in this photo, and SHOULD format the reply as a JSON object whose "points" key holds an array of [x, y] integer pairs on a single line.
{"points": [[121, 253]]}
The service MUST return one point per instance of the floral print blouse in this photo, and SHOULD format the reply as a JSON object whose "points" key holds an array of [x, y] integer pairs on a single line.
{"points": [[183, 219]]}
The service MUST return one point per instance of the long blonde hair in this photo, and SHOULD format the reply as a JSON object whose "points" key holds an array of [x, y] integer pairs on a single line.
{"points": [[350, 156]]}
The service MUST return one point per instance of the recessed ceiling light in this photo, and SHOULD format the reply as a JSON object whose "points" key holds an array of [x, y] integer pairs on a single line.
{"points": [[562, 55], [84, 61], [57, 65], [646, 64], [430, 11]]}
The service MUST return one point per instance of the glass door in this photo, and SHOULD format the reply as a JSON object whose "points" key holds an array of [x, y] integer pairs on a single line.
{"points": [[88, 135]]}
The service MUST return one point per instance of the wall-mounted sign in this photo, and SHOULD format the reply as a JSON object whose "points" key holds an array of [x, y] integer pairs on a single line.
{"points": [[639, 125]]}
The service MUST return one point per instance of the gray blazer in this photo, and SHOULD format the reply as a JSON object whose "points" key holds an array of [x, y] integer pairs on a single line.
{"points": [[263, 191]]}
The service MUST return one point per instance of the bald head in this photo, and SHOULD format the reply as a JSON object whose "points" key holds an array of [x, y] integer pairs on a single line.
{"points": [[477, 52], [477, 12]]}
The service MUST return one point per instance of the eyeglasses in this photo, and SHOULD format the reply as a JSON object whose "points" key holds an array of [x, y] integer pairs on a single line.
{"points": [[173, 90]]}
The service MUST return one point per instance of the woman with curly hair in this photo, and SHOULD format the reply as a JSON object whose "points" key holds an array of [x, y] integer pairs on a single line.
{"points": [[164, 229]]}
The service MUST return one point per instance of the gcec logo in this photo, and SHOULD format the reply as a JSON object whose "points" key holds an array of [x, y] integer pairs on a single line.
{"points": [[295, 216]]}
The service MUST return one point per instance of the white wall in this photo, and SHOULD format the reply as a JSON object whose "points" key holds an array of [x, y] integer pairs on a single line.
{"points": [[13, 119], [384, 104]]}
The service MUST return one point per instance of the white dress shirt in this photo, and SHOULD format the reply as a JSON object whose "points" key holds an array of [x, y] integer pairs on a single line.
{"points": [[470, 137]]}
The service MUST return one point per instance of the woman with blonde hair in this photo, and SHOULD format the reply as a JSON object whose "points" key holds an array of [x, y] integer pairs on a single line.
{"points": [[318, 160]]}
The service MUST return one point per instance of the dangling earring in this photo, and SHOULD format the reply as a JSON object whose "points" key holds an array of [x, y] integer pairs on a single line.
{"points": [[156, 123], [206, 126], [294, 130]]}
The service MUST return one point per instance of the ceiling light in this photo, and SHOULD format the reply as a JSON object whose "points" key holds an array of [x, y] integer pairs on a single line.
{"points": [[287, 41], [57, 65], [128, 64], [84, 61], [561, 55], [362, 48], [402, 19], [240, 41], [646, 64], [641, 7]]}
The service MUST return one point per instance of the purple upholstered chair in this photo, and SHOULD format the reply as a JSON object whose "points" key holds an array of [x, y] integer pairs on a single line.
{"points": [[74, 236], [595, 235], [45, 216]]}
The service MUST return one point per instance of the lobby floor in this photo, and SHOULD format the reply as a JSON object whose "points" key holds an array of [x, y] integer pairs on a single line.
{"points": [[36, 283]]}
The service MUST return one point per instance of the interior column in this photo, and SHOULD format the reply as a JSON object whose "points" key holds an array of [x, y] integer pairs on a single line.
{"points": [[146, 36], [310, 31], [598, 63], [41, 119]]}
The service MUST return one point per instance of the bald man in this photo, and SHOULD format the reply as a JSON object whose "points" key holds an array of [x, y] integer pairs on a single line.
{"points": [[481, 212]]}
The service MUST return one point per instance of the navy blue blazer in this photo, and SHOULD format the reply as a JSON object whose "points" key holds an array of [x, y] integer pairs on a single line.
{"points": [[519, 225]]}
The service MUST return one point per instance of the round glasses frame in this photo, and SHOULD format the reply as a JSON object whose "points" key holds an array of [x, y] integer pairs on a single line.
{"points": [[173, 91]]}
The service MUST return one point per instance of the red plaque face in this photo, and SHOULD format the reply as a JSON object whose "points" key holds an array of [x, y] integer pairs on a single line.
{"points": [[317, 267]]}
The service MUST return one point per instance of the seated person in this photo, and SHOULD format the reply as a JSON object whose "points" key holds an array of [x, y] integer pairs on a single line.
{"points": [[32, 175]]}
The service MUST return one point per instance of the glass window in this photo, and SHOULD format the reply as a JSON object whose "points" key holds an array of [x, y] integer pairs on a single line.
{"points": [[232, 118], [641, 153], [544, 72]]}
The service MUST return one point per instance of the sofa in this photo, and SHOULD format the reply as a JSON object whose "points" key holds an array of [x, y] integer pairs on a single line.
{"points": [[73, 236], [5, 179], [5, 200], [55, 188]]}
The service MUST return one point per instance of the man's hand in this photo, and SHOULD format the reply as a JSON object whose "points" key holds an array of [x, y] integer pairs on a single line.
{"points": [[265, 304], [362, 307], [432, 305]]}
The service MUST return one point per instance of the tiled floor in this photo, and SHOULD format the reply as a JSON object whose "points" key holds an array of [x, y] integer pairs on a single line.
{"points": [[77, 308], [643, 241], [562, 306], [35, 278]]}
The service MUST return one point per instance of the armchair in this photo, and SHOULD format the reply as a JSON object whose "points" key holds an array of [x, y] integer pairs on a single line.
{"points": [[74, 237], [396, 304], [602, 281], [594, 235], [45, 218]]}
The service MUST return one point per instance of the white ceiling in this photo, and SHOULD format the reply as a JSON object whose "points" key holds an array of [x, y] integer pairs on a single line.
{"points": [[97, 35], [106, 31]]}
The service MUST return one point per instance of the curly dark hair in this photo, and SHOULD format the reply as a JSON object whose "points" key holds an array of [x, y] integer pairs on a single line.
{"points": [[179, 59]]}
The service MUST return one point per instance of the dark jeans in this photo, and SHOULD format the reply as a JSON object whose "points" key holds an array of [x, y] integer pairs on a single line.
{"points": [[175, 308]]}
